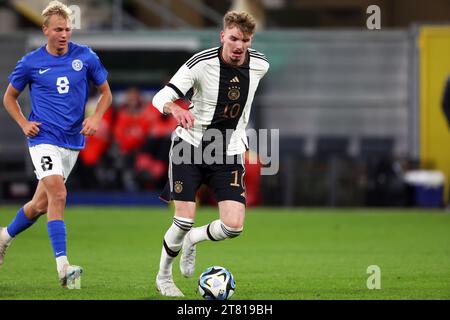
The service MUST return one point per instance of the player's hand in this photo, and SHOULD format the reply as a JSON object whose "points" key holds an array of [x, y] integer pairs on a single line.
{"points": [[184, 117], [30, 128], [90, 126]]}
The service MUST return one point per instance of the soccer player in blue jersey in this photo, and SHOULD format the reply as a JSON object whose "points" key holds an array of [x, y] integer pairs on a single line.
{"points": [[58, 75]]}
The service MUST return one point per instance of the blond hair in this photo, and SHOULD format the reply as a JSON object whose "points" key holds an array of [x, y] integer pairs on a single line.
{"points": [[56, 8], [242, 20]]}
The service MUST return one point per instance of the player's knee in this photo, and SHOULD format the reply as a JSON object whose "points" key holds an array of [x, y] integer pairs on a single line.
{"points": [[233, 222], [185, 209], [59, 196]]}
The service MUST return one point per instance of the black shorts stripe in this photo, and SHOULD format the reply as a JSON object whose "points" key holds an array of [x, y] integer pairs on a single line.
{"points": [[178, 91], [209, 233], [202, 59], [170, 252], [202, 54]]}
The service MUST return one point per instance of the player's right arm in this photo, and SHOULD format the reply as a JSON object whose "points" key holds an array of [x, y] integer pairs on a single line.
{"points": [[184, 117], [180, 83], [29, 128]]}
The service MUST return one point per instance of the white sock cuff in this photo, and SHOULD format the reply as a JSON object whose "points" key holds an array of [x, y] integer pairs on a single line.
{"points": [[214, 231], [184, 224], [232, 229], [187, 220], [231, 232], [217, 230], [60, 262], [173, 239], [5, 235]]}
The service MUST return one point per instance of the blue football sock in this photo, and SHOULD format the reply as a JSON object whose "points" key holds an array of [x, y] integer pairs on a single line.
{"points": [[19, 224], [57, 233]]}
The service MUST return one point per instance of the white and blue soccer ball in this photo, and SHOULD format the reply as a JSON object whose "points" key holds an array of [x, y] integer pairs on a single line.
{"points": [[216, 283]]}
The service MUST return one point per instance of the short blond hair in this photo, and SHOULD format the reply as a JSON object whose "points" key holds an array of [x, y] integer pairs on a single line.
{"points": [[56, 8], [242, 20]]}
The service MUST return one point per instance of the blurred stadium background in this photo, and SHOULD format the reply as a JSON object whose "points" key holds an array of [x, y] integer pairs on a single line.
{"points": [[357, 109]]}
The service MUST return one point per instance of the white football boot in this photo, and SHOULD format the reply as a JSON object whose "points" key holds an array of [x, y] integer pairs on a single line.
{"points": [[167, 287], [3, 246], [70, 277], [187, 260]]}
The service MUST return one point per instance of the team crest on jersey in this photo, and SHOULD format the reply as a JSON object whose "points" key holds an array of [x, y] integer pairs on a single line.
{"points": [[178, 186], [234, 93], [77, 65]]}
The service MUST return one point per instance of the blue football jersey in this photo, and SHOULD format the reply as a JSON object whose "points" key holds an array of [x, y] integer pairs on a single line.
{"points": [[59, 88]]}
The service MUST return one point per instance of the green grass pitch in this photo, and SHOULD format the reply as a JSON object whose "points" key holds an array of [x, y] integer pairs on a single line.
{"points": [[282, 254]]}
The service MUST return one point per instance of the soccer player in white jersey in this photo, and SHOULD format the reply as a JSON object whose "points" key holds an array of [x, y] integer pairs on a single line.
{"points": [[58, 75], [224, 81]]}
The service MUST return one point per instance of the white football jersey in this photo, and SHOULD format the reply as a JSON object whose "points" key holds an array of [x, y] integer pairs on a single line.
{"points": [[222, 94]]}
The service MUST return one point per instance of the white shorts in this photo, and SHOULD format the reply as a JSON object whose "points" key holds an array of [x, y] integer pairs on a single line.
{"points": [[51, 160]]}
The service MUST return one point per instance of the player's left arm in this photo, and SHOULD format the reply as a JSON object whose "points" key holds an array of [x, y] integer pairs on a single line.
{"points": [[91, 123]]}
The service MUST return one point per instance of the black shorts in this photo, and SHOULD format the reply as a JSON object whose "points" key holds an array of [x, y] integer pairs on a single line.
{"points": [[224, 177]]}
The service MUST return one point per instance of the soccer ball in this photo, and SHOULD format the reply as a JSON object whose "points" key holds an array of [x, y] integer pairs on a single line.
{"points": [[216, 283]]}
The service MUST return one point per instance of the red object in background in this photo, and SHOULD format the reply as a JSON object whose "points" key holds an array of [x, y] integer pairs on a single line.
{"points": [[146, 163], [162, 126], [183, 102], [97, 144], [252, 179], [131, 128]]}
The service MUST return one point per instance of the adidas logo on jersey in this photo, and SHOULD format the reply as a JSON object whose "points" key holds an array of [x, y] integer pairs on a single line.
{"points": [[235, 79]]}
